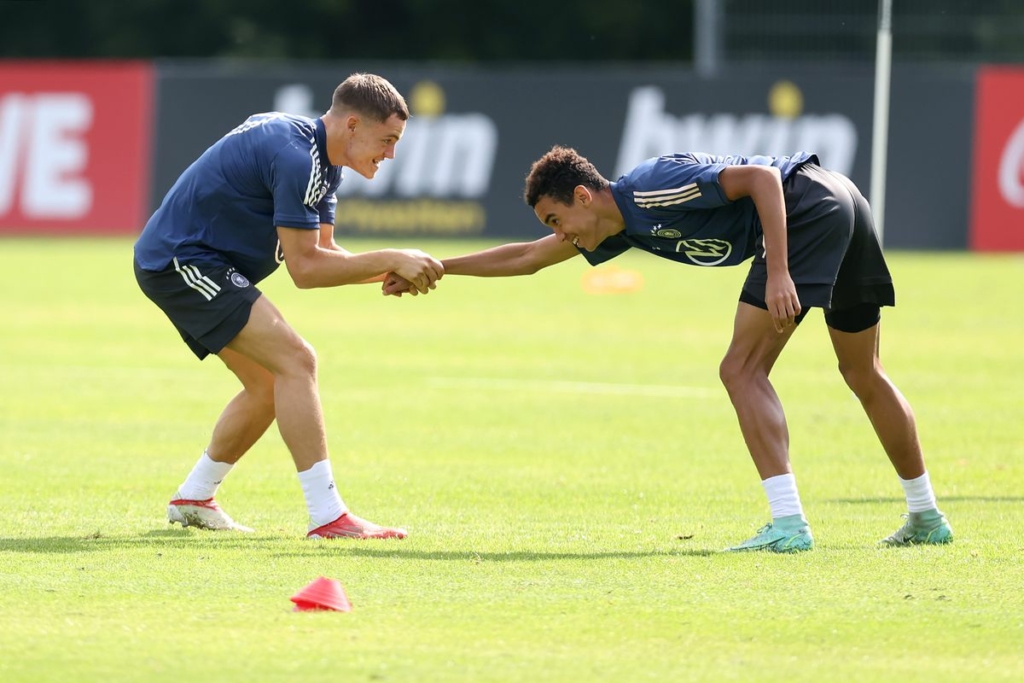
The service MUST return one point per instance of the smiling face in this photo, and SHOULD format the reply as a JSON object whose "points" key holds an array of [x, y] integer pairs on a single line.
{"points": [[577, 222], [568, 195], [370, 142]]}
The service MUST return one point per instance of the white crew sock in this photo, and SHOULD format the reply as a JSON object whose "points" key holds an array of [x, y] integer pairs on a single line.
{"points": [[920, 496], [783, 498], [203, 480], [322, 499]]}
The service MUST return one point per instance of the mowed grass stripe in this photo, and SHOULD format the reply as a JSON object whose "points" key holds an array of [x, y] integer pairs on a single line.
{"points": [[566, 495]]}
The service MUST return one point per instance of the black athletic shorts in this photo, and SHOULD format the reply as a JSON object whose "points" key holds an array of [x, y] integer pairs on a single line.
{"points": [[208, 305], [835, 259]]}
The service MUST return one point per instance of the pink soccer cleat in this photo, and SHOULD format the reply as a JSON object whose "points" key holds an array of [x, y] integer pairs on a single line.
{"points": [[202, 514], [350, 526]]}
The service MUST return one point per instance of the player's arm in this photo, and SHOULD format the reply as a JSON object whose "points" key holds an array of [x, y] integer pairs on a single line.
{"points": [[312, 261], [763, 184], [516, 258], [327, 242]]}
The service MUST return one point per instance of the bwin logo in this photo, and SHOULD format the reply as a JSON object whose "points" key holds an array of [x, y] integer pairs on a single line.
{"points": [[710, 252], [442, 155]]}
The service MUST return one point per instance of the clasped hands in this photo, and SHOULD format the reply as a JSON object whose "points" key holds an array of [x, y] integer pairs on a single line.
{"points": [[417, 274], [396, 285]]}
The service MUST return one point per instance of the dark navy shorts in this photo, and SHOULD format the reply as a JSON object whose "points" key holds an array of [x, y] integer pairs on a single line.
{"points": [[835, 259], [208, 304]]}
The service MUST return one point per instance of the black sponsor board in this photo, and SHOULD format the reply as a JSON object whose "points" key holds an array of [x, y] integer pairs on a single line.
{"points": [[460, 167]]}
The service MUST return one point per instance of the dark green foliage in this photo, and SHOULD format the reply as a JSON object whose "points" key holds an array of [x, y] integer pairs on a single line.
{"points": [[505, 30]]}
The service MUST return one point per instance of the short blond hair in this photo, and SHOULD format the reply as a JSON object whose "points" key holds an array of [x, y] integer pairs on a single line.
{"points": [[369, 95]]}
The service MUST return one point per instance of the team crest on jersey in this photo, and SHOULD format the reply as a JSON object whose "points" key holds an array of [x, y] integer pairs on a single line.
{"points": [[239, 280], [318, 194], [668, 232], [709, 252]]}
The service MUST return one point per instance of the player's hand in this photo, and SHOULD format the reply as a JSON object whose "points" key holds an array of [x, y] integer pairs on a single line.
{"points": [[420, 269], [396, 285], [783, 302]]}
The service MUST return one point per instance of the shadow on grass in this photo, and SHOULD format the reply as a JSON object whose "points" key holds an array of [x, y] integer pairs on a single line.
{"points": [[348, 550], [98, 541], [942, 499], [185, 539]]}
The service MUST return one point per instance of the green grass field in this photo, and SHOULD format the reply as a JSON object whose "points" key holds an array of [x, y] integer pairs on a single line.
{"points": [[566, 463]]}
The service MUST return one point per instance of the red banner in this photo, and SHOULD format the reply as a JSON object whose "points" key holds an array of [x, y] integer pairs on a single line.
{"points": [[74, 146], [997, 200]]}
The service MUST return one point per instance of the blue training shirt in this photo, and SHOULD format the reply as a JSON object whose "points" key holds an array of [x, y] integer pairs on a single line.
{"points": [[271, 171], [674, 207]]}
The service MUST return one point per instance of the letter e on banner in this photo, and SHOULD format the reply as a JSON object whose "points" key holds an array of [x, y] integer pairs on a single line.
{"points": [[997, 197], [74, 146]]}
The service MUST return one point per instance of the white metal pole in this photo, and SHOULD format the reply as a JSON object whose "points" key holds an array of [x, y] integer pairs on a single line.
{"points": [[707, 38], [880, 125]]}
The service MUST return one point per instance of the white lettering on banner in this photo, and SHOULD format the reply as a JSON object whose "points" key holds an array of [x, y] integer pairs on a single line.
{"points": [[295, 99], [1011, 168], [443, 155], [56, 154], [455, 156], [650, 131], [12, 110], [446, 156], [41, 138]]}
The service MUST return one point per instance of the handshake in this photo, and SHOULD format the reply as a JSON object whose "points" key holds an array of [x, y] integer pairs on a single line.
{"points": [[415, 272]]}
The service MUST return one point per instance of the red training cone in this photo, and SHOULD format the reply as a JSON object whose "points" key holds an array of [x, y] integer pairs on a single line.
{"points": [[322, 594]]}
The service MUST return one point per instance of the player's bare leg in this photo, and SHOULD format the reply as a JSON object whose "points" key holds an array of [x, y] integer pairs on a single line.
{"points": [[248, 415], [270, 342], [244, 420], [894, 423], [888, 410], [744, 371]]}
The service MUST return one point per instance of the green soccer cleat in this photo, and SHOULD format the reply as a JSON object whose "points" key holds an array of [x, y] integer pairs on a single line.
{"points": [[789, 534], [928, 527]]}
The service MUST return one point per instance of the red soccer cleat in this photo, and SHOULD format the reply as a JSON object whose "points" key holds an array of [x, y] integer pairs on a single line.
{"points": [[202, 514], [350, 526]]}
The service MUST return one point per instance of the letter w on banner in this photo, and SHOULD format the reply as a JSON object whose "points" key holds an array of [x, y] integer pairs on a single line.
{"points": [[997, 199], [74, 146]]}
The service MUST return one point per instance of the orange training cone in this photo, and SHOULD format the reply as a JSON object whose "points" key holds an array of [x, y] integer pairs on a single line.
{"points": [[322, 594]]}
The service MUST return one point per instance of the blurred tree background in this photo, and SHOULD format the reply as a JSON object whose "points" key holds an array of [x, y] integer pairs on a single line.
{"points": [[464, 31]]}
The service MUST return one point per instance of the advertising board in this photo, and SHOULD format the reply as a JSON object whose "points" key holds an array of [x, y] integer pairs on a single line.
{"points": [[997, 206], [74, 146]]}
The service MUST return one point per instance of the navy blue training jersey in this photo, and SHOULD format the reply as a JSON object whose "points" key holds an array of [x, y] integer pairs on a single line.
{"points": [[674, 207], [270, 171]]}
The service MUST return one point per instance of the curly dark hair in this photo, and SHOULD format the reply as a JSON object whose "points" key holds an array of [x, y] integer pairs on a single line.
{"points": [[556, 175]]}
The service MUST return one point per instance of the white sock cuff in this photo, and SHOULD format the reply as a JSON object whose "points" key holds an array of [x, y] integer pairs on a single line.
{"points": [[319, 469], [220, 469], [783, 496], [205, 477], [322, 498], [919, 493]]}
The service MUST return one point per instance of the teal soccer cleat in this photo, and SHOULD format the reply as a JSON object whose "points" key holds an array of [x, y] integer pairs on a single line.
{"points": [[789, 534], [928, 527]]}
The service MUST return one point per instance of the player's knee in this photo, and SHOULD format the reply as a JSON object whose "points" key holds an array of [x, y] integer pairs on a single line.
{"points": [[301, 358], [307, 358], [733, 373], [861, 378]]}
